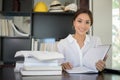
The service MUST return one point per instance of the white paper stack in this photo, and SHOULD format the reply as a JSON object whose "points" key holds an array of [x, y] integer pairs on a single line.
{"points": [[40, 63]]}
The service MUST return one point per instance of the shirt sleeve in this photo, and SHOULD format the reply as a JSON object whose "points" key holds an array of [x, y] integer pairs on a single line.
{"points": [[60, 48]]}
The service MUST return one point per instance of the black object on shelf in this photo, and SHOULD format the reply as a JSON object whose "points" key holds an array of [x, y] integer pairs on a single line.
{"points": [[24, 6], [16, 5]]}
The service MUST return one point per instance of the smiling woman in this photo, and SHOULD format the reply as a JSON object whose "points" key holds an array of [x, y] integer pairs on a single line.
{"points": [[75, 46]]}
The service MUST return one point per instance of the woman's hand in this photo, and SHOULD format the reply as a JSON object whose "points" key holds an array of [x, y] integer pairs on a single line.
{"points": [[66, 65], [100, 65]]}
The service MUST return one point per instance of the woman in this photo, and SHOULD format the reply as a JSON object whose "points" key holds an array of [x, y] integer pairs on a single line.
{"points": [[75, 46]]}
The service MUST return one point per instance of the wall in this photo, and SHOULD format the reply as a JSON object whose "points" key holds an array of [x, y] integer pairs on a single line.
{"points": [[102, 27]]}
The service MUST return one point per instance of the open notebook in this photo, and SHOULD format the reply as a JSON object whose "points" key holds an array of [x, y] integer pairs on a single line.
{"points": [[90, 59]]}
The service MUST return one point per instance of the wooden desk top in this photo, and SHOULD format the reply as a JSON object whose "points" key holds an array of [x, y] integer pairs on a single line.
{"points": [[7, 73]]}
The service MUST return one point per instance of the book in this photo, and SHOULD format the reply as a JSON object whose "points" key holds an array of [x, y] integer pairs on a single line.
{"points": [[10, 29], [81, 70], [31, 61], [42, 68], [46, 55], [34, 64], [18, 66], [3, 27], [58, 77], [90, 59], [0, 27], [40, 72]]}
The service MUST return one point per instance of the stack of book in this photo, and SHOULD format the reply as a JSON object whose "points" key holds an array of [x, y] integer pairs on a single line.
{"points": [[41, 63]]}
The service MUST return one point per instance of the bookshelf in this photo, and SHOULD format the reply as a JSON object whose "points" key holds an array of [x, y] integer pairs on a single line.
{"points": [[42, 25]]}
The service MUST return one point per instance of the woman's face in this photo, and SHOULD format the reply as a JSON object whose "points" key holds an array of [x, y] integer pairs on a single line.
{"points": [[82, 23]]}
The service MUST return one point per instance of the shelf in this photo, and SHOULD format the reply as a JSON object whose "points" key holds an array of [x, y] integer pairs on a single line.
{"points": [[16, 13], [10, 13], [21, 37], [43, 25], [53, 13]]}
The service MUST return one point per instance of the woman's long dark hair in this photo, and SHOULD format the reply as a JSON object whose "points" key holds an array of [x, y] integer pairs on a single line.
{"points": [[80, 11]]}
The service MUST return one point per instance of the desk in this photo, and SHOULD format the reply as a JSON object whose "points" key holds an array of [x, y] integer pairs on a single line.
{"points": [[7, 73]]}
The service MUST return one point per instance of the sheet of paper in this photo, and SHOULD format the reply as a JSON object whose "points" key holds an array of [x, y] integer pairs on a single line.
{"points": [[90, 59], [81, 70], [42, 56], [94, 55]]}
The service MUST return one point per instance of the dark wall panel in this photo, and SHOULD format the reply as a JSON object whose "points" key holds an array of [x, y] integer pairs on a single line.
{"points": [[52, 26], [11, 45]]}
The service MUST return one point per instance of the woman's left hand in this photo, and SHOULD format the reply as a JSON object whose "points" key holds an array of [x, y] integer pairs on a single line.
{"points": [[100, 65]]}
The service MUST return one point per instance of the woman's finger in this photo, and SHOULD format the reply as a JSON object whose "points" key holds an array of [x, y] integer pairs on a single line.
{"points": [[100, 65], [66, 66]]}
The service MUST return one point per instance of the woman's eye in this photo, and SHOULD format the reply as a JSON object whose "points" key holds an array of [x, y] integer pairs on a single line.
{"points": [[79, 21], [87, 22]]}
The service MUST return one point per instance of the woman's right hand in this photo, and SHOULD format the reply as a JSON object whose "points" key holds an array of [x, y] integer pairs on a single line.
{"points": [[66, 65]]}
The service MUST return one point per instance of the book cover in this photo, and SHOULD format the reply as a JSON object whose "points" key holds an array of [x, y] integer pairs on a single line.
{"points": [[42, 68]]}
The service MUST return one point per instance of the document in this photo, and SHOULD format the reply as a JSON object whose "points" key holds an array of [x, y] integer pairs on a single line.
{"points": [[91, 58], [81, 70], [94, 55]]}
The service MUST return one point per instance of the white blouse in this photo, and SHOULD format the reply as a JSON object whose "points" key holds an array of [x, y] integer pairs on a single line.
{"points": [[71, 50]]}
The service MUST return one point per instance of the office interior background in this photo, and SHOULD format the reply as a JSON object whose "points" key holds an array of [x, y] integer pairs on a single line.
{"points": [[106, 25]]}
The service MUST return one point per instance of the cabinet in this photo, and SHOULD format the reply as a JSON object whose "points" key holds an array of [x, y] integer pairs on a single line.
{"points": [[10, 45], [43, 25]]}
